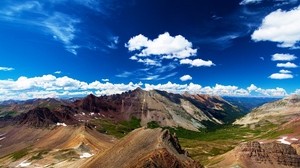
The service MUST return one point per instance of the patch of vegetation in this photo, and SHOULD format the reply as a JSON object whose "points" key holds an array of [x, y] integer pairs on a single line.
{"points": [[152, 125], [8, 114], [117, 129], [19, 154], [209, 143], [39, 155]]}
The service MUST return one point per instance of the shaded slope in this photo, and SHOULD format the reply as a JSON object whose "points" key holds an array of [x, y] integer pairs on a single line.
{"points": [[43, 117]]}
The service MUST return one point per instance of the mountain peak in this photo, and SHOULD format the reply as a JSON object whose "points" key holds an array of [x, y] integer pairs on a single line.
{"points": [[138, 89]]}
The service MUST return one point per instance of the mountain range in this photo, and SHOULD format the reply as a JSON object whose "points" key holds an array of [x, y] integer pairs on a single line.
{"points": [[146, 129]]}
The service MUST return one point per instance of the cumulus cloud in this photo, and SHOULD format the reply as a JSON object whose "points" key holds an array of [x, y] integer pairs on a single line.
{"points": [[51, 86], [283, 71], [297, 91], [256, 91], [197, 62], [164, 45], [246, 2], [281, 76], [105, 80], [251, 88], [163, 53], [280, 26], [186, 78], [57, 72], [287, 65], [283, 57], [6, 69]]}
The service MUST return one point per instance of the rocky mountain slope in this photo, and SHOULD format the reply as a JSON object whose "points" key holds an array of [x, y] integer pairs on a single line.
{"points": [[83, 146], [145, 148], [174, 110], [254, 154], [187, 111], [276, 112]]}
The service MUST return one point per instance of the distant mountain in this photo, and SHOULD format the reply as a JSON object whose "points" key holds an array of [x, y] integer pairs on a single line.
{"points": [[167, 109], [277, 112], [43, 117], [188, 111], [246, 104]]}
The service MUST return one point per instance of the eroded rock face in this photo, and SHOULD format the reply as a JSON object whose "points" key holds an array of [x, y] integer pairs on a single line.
{"points": [[270, 153], [162, 158]]}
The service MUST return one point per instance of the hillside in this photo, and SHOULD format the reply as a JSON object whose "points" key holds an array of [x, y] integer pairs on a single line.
{"points": [[277, 112]]}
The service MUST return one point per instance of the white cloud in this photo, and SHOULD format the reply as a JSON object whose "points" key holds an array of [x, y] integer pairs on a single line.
{"points": [[60, 26], [256, 91], [297, 91], [162, 54], [114, 41], [251, 88], [164, 45], [281, 76], [246, 2], [52, 86], [57, 72], [148, 61], [197, 62], [283, 57], [283, 71], [105, 80], [186, 78], [287, 65], [63, 29], [277, 92], [280, 26], [33, 6], [6, 69]]}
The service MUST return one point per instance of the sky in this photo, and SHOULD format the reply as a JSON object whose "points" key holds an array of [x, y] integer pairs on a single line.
{"points": [[71, 48]]}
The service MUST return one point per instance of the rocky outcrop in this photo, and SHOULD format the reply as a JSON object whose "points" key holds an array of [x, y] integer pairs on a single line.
{"points": [[272, 154]]}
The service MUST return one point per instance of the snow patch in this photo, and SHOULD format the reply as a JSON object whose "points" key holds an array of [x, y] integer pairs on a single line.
{"points": [[92, 114], [62, 124], [2, 138], [294, 139], [24, 164], [283, 141], [85, 155]]}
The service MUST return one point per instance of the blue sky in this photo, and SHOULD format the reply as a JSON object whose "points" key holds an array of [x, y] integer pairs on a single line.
{"points": [[70, 48]]}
